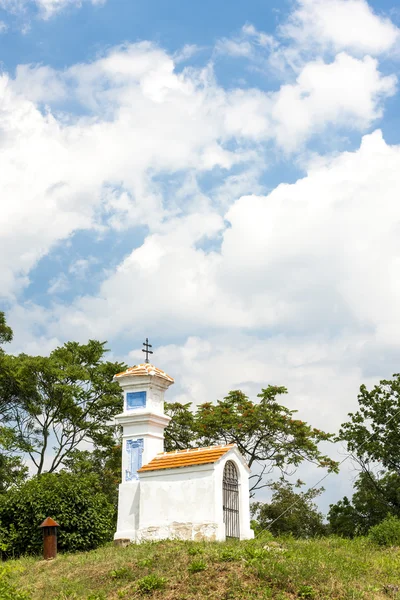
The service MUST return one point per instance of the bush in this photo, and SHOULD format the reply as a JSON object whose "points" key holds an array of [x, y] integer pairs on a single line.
{"points": [[386, 533], [150, 583], [83, 512], [196, 566], [7, 590]]}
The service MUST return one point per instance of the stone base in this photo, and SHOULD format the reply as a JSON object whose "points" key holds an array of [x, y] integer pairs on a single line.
{"points": [[122, 542], [196, 532]]}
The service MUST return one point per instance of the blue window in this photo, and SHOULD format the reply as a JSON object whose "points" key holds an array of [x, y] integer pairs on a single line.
{"points": [[135, 400], [134, 450]]}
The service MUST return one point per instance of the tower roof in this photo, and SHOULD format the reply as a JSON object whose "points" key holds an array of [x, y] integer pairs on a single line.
{"points": [[143, 370], [186, 458]]}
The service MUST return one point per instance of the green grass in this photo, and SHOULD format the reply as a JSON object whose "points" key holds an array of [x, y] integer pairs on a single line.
{"points": [[329, 568]]}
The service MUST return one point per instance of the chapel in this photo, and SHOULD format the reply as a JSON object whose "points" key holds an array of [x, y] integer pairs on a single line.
{"points": [[194, 494]]}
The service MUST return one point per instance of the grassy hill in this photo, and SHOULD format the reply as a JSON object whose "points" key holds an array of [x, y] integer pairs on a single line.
{"points": [[329, 568]]}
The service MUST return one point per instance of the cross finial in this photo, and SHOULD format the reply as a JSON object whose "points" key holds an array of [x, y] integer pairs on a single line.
{"points": [[146, 349]]}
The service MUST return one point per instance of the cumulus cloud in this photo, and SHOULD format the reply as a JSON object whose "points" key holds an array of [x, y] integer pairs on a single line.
{"points": [[350, 25], [137, 119], [320, 255]]}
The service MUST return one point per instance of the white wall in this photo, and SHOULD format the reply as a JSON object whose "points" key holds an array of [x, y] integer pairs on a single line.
{"points": [[184, 495], [191, 496], [128, 511]]}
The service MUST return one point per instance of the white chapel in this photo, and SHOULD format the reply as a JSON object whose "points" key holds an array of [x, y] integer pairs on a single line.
{"points": [[193, 494]]}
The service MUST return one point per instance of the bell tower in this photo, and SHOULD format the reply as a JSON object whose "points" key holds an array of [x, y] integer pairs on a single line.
{"points": [[143, 420]]}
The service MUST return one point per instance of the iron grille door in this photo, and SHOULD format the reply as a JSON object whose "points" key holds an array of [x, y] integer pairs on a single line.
{"points": [[230, 494]]}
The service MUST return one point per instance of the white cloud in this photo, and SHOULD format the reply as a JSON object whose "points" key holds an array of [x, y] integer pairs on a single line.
{"points": [[144, 120], [348, 25], [319, 255], [46, 8], [347, 92]]}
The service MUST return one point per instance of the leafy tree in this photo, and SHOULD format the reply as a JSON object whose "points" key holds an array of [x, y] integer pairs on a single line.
{"points": [[374, 498], [6, 333], [372, 434], [76, 502], [12, 471], [105, 463], [290, 512], [181, 431], [62, 400], [265, 432]]}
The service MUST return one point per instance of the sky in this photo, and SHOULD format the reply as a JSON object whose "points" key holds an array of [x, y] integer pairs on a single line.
{"points": [[222, 180]]}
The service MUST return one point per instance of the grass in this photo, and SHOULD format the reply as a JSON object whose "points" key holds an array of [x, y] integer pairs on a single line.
{"points": [[279, 569]]}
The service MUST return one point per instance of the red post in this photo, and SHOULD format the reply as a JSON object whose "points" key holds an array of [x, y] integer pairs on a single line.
{"points": [[49, 527]]}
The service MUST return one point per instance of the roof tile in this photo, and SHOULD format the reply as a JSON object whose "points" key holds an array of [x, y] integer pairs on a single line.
{"points": [[186, 458], [143, 370]]}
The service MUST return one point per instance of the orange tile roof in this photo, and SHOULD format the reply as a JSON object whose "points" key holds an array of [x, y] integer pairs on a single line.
{"points": [[145, 369], [186, 458]]}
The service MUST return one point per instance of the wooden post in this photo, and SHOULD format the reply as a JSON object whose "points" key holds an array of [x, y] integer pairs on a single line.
{"points": [[49, 527]]}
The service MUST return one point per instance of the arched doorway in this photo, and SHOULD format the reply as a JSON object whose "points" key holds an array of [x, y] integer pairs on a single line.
{"points": [[230, 499]]}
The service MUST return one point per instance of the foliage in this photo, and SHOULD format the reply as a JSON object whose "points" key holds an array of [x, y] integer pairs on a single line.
{"points": [[85, 515], [151, 583], [7, 590], [387, 532], [373, 432], [12, 470], [105, 463], [290, 512], [196, 566], [121, 573], [374, 498], [264, 431], [66, 398], [6, 333], [306, 591]]}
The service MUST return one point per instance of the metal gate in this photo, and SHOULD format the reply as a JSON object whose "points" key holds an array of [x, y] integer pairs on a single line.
{"points": [[230, 494]]}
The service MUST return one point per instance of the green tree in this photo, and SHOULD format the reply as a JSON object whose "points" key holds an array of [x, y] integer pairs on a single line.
{"points": [[374, 498], [265, 432], [62, 400], [290, 512], [6, 333], [372, 434], [76, 502], [12, 470], [105, 463]]}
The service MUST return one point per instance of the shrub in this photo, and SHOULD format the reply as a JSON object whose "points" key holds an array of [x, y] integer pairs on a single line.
{"points": [[306, 591], [386, 533], [7, 590], [197, 565], [121, 573], [150, 583], [83, 512]]}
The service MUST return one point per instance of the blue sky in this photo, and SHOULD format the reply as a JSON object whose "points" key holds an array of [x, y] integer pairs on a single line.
{"points": [[223, 181]]}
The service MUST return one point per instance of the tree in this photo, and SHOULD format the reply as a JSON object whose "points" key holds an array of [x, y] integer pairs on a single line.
{"points": [[105, 463], [62, 400], [6, 333], [265, 432], [12, 471], [290, 511], [372, 434], [76, 502], [375, 497]]}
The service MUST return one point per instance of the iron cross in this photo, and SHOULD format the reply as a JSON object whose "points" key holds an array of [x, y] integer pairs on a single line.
{"points": [[146, 349]]}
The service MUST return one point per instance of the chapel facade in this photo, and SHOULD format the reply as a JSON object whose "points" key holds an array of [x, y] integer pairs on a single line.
{"points": [[193, 494]]}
